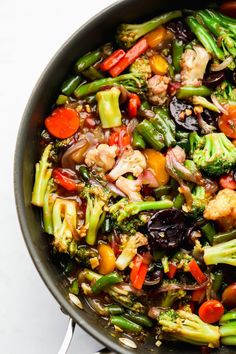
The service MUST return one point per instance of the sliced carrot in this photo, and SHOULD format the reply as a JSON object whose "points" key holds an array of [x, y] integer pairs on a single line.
{"points": [[63, 122]]}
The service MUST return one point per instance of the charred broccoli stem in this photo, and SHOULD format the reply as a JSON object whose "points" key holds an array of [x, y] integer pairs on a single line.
{"points": [[222, 253], [130, 81], [108, 107], [128, 34], [123, 209], [43, 172], [187, 327], [214, 153]]}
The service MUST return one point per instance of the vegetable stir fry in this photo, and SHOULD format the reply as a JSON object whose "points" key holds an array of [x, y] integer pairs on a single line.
{"points": [[137, 179]]}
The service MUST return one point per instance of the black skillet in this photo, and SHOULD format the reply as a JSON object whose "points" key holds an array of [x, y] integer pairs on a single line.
{"points": [[94, 33]]}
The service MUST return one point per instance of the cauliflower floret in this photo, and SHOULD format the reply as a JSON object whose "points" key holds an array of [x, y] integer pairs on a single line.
{"points": [[131, 161], [193, 63], [102, 156], [130, 187], [223, 209], [157, 89]]}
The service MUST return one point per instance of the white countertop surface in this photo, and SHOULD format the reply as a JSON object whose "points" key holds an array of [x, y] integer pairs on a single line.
{"points": [[30, 33]]}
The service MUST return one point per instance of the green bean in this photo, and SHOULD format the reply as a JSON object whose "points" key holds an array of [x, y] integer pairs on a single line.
{"points": [[217, 281], [179, 201], [87, 60], [209, 231], [164, 114], [160, 124], [115, 309], [189, 91], [180, 135], [162, 190], [70, 84], [151, 135], [105, 281], [61, 99], [204, 37], [92, 74], [224, 237], [74, 289], [140, 319], [228, 316], [177, 51], [84, 173], [138, 141], [126, 324], [229, 340]]}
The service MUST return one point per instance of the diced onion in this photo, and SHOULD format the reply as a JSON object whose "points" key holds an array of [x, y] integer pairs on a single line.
{"points": [[221, 66], [218, 105]]}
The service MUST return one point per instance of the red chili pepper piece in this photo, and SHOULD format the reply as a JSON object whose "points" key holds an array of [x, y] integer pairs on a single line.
{"points": [[66, 178], [172, 270], [196, 272], [131, 55], [112, 60], [228, 181], [133, 105]]}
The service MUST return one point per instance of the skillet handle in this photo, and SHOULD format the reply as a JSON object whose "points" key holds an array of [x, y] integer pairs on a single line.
{"points": [[68, 337]]}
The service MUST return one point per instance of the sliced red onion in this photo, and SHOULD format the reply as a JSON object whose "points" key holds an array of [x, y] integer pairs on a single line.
{"points": [[75, 154], [152, 282], [169, 287], [147, 177], [154, 312], [218, 105], [115, 189], [131, 126], [221, 66]]}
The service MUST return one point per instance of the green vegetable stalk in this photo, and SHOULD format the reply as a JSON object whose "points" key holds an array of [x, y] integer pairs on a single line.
{"points": [[87, 60], [105, 281], [108, 108], [125, 324], [222, 253], [152, 136], [49, 199], [189, 91], [177, 51], [228, 328], [128, 34], [43, 172]]}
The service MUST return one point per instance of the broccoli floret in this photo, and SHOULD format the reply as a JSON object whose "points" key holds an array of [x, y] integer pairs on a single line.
{"points": [[170, 297], [222, 253], [141, 67], [128, 34], [123, 209], [83, 255], [108, 107], [214, 153], [97, 198], [226, 93], [43, 172], [64, 218], [130, 250], [199, 202], [122, 295], [187, 327], [131, 225]]}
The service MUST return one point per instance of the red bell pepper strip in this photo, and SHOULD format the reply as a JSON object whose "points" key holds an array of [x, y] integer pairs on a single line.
{"points": [[172, 270], [140, 278], [198, 295], [133, 105], [131, 55], [120, 138], [112, 60], [196, 272], [138, 260], [65, 178]]}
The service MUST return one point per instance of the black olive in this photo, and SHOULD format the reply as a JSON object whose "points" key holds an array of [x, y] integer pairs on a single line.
{"points": [[183, 115], [166, 229], [213, 79]]}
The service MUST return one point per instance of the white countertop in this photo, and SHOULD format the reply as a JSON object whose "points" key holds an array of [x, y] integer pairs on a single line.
{"points": [[30, 33]]}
